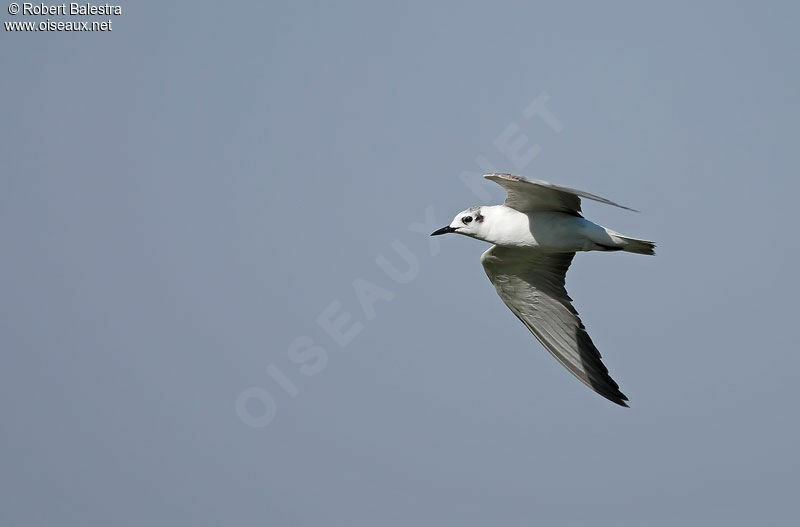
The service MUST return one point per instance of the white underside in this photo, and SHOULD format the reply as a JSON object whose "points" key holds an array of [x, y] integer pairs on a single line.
{"points": [[552, 231]]}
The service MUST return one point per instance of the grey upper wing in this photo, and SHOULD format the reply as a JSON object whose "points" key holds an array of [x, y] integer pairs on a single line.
{"points": [[531, 283], [529, 195]]}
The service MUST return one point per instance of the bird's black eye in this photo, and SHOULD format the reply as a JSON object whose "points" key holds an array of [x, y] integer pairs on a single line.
{"points": [[466, 219]]}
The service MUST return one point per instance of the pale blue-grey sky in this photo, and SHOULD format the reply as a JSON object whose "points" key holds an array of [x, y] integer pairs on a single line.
{"points": [[192, 200]]}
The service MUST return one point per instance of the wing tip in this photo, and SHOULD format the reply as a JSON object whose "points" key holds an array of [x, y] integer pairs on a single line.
{"points": [[616, 397], [504, 175]]}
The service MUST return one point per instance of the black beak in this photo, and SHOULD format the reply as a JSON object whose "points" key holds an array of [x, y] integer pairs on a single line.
{"points": [[443, 230]]}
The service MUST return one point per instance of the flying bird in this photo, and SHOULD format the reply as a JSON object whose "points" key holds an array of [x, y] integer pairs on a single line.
{"points": [[536, 233]]}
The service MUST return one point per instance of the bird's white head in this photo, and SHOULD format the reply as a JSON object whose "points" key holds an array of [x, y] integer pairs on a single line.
{"points": [[470, 222]]}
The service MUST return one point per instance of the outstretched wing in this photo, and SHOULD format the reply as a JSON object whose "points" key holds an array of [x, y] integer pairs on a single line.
{"points": [[531, 283], [530, 195]]}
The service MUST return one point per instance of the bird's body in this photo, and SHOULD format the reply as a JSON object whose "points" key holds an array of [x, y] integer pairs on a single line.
{"points": [[536, 233], [547, 231]]}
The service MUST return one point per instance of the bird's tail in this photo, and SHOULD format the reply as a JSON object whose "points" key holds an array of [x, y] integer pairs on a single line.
{"points": [[635, 245]]}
